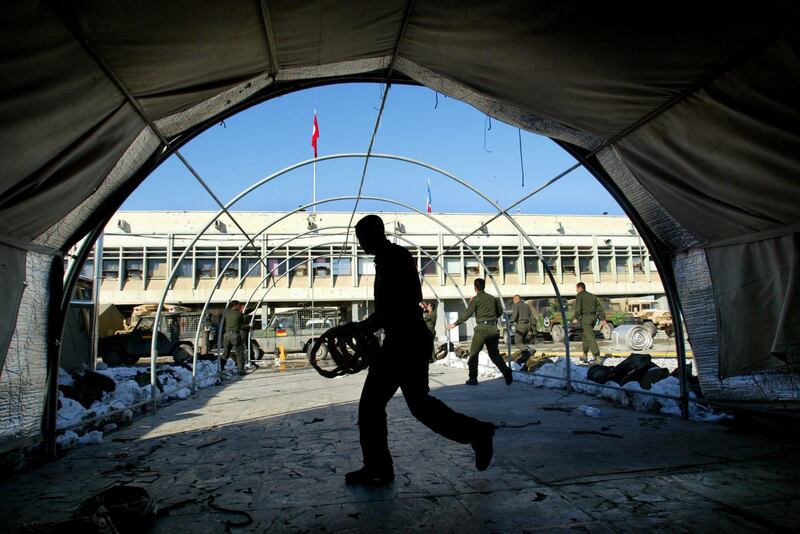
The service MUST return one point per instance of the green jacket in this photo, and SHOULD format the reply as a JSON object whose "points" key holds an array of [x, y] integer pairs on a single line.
{"points": [[484, 307], [587, 306], [521, 313], [234, 320], [430, 320]]}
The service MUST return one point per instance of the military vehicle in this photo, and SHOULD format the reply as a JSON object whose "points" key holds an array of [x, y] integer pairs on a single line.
{"points": [[651, 317], [296, 330], [616, 315], [547, 317], [128, 346]]}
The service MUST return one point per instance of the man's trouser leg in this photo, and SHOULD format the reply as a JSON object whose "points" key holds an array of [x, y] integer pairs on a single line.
{"points": [[379, 387], [429, 410], [227, 344], [492, 340], [519, 335], [238, 349], [588, 341], [474, 350]]}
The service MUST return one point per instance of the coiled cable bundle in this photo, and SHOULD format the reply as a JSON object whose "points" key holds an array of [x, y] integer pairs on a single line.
{"points": [[350, 348]]}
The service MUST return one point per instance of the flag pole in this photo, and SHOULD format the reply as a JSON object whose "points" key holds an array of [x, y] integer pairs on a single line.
{"points": [[315, 184]]}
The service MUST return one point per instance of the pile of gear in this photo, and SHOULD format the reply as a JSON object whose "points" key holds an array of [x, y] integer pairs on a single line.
{"points": [[641, 369]]}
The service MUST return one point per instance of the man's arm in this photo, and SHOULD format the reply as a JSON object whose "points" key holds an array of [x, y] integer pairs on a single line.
{"points": [[466, 314], [600, 312], [578, 307], [498, 307], [514, 313]]}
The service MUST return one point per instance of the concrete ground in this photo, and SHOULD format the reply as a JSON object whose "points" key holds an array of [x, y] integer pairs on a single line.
{"points": [[277, 445]]}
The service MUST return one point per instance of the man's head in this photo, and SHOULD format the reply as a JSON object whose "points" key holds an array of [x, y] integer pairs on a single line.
{"points": [[479, 284], [580, 287], [516, 298], [429, 307], [370, 233], [235, 305]]}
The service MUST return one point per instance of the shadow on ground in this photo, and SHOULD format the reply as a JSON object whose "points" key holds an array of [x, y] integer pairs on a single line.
{"points": [[276, 446]]}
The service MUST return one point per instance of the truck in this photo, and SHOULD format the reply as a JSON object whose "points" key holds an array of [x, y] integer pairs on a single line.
{"points": [[652, 318], [129, 345], [296, 330]]}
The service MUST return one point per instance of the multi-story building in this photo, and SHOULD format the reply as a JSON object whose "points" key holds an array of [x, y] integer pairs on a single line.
{"points": [[294, 259]]}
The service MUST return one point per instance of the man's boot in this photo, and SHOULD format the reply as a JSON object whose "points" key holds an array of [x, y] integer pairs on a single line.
{"points": [[483, 447], [471, 382], [369, 477]]}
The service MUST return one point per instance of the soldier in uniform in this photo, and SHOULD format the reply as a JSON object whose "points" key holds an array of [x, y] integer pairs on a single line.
{"points": [[521, 317], [486, 310], [429, 316], [232, 339], [587, 311], [402, 363]]}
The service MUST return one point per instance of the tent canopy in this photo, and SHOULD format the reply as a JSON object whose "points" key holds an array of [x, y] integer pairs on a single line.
{"points": [[687, 115]]}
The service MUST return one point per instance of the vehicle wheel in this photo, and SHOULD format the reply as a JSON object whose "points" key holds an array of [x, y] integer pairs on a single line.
{"points": [[131, 359], [670, 331], [651, 328], [557, 333], [113, 357], [547, 320], [607, 330], [322, 353], [181, 353], [255, 351]]}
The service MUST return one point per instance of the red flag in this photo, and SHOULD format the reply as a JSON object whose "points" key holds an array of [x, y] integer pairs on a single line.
{"points": [[315, 134]]}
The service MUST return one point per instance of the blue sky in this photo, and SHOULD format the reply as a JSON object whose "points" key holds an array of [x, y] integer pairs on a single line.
{"points": [[452, 136]]}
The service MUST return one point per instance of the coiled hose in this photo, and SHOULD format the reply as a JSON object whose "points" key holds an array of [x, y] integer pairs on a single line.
{"points": [[350, 348]]}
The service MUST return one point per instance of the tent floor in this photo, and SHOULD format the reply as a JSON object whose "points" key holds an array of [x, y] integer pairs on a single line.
{"points": [[277, 446]]}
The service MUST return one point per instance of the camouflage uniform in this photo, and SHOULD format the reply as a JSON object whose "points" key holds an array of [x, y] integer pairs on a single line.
{"points": [[521, 316], [486, 310], [588, 310], [234, 323], [430, 322]]}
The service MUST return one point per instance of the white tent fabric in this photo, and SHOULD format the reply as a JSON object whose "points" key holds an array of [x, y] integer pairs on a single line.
{"points": [[688, 116]]}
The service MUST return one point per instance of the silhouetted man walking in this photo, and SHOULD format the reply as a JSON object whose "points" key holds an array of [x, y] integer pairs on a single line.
{"points": [[402, 363]]}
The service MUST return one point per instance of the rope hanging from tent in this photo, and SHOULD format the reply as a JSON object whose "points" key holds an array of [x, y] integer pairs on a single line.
{"points": [[350, 348]]}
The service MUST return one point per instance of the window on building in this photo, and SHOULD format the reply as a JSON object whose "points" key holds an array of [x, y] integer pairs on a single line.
{"points": [[278, 266], [111, 269], [156, 268], [550, 255], [342, 267], [184, 269], [510, 264], [251, 267], [298, 266], [621, 258], [428, 263], [205, 263], [472, 267], [322, 267], [225, 255], [568, 264], [492, 265], [491, 260], [604, 256], [585, 259], [532, 265], [87, 270], [452, 265], [366, 265], [133, 269]]}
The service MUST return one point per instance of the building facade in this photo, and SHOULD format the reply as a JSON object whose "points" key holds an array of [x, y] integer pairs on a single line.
{"points": [[292, 260]]}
